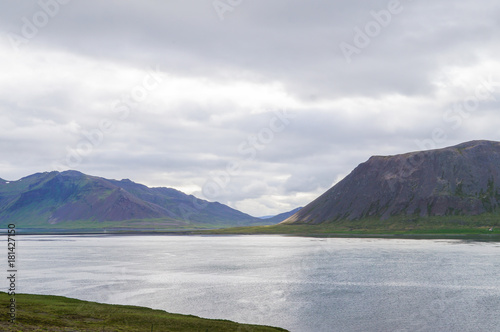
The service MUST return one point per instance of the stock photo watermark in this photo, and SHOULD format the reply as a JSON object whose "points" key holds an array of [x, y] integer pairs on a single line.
{"points": [[222, 7], [454, 117], [248, 150], [11, 270], [33, 24], [460, 111], [122, 110], [363, 37]]}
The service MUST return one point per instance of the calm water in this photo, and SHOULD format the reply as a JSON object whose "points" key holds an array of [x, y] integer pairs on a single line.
{"points": [[301, 284]]}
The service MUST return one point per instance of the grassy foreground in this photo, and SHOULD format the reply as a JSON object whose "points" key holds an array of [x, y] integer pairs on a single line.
{"points": [[56, 313]]}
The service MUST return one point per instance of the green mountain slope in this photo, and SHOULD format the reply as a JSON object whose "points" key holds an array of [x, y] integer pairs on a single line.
{"points": [[75, 199], [187, 207], [57, 313]]}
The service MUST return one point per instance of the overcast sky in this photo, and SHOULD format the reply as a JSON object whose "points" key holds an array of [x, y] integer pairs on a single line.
{"points": [[261, 105]]}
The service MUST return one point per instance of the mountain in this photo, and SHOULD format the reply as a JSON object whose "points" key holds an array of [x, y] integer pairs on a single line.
{"points": [[280, 217], [462, 180], [74, 198], [182, 206]]}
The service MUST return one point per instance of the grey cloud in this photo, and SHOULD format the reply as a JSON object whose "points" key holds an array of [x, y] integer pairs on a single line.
{"points": [[295, 43], [268, 39]]}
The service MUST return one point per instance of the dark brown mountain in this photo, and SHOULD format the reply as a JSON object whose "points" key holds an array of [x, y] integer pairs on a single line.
{"points": [[458, 180]]}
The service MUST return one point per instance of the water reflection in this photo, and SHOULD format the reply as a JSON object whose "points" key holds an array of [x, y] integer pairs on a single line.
{"points": [[302, 284]]}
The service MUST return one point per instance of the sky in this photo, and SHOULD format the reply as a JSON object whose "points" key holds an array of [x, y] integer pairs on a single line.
{"points": [[261, 105]]}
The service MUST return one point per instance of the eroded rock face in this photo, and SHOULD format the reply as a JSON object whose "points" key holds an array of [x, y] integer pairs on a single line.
{"points": [[459, 180]]}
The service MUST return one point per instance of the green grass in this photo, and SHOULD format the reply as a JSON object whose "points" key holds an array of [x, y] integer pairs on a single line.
{"points": [[446, 226], [114, 227], [56, 313], [400, 226]]}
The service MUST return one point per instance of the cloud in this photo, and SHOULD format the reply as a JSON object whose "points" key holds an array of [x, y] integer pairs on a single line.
{"points": [[168, 94]]}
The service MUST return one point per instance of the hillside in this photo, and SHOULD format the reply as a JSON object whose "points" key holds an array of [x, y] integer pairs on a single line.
{"points": [[282, 216], [462, 180], [72, 198], [57, 313]]}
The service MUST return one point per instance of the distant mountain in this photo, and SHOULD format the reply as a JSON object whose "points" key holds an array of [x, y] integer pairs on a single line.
{"points": [[458, 180], [280, 217], [182, 206], [52, 198]]}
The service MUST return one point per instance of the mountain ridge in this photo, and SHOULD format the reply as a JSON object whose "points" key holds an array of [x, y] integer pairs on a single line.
{"points": [[51, 198], [282, 216], [459, 180]]}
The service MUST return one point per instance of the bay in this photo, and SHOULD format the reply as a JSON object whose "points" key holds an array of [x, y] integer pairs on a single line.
{"points": [[302, 284]]}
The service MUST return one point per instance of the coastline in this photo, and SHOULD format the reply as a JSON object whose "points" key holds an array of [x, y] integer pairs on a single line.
{"points": [[246, 231], [58, 313]]}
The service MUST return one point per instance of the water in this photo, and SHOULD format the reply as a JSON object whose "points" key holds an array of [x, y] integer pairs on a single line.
{"points": [[301, 284]]}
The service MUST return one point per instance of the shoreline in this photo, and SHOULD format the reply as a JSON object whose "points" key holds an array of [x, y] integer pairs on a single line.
{"points": [[59, 313], [234, 232]]}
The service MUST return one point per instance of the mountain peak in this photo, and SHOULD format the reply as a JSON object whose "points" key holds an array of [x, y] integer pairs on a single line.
{"points": [[72, 173], [472, 144], [42, 199], [459, 180]]}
